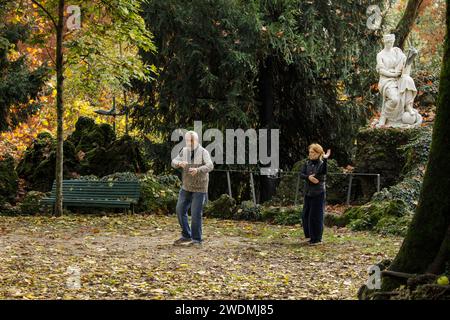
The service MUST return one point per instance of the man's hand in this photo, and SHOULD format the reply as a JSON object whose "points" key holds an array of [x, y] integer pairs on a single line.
{"points": [[193, 171], [313, 179], [182, 164], [327, 155]]}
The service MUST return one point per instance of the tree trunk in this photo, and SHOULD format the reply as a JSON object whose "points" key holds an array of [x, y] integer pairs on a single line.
{"points": [[406, 22], [59, 109], [266, 93], [426, 246]]}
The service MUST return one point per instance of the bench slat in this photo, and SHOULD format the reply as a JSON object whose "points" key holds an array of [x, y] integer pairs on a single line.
{"points": [[85, 193]]}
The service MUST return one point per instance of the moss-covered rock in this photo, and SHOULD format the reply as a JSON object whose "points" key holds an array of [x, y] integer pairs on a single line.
{"points": [[37, 167], [394, 225], [379, 151], [121, 156], [8, 181], [388, 217], [88, 135], [31, 203], [91, 149], [416, 154]]}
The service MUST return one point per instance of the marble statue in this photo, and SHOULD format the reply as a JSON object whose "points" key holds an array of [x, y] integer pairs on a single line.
{"points": [[396, 86]]}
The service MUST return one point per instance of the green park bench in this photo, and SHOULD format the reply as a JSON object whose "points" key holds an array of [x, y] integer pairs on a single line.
{"points": [[100, 194]]}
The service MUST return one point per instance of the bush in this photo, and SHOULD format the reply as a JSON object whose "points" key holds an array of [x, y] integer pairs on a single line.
{"points": [[120, 176], [8, 181], [158, 194], [31, 205], [382, 217], [282, 215], [332, 219], [9, 210], [248, 211], [393, 225], [224, 207]]}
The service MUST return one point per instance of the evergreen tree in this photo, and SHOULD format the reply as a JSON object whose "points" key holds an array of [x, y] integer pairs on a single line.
{"points": [[295, 65]]}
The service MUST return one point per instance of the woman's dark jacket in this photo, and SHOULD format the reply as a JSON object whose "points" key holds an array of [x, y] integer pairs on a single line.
{"points": [[319, 168]]}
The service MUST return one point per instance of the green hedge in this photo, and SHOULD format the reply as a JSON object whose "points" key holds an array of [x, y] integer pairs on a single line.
{"points": [[226, 208]]}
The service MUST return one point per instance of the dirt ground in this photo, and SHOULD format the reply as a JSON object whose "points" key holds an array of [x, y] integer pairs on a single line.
{"points": [[133, 257]]}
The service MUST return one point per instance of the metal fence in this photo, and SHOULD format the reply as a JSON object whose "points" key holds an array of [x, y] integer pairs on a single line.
{"points": [[280, 174]]}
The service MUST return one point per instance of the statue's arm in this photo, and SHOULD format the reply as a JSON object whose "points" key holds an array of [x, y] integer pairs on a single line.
{"points": [[381, 69], [401, 65]]}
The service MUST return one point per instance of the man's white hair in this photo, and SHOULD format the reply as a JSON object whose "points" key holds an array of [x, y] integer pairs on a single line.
{"points": [[192, 134]]}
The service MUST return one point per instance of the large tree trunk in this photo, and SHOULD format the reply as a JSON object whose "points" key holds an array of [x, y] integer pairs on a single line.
{"points": [[427, 243], [59, 109], [266, 92], [406, 22]]}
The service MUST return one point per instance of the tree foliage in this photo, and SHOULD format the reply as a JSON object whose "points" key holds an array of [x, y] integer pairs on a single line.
{"points": [[303, 64], [19, 84]]}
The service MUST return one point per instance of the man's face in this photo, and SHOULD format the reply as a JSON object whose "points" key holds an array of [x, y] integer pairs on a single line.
{"points": [[190, 141]]}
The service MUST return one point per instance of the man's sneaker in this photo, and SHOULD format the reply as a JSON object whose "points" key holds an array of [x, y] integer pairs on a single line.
{"points": [[195, 243], [315, 243], [182, 240]]}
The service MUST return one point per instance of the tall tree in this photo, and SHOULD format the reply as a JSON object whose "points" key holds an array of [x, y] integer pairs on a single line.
{"points": [[124, 14], [58, 24], [404, 26], [426, 247]]}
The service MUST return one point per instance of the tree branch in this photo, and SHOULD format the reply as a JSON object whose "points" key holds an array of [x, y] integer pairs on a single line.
{"points": [[46, 12], [397, 274]]}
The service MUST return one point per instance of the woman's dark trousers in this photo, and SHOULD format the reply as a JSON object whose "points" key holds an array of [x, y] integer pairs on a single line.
{"points": [[312, 216]]}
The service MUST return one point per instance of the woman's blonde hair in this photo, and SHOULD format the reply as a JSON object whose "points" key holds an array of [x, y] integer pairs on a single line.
{"points": [[317, 148]]}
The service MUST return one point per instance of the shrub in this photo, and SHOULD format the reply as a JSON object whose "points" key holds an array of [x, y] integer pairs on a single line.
{"points": [[224, 207], [248, 211], [158, 194], [382, 217], [31, 205], [8, 181], [332, 219], [282, 215]]}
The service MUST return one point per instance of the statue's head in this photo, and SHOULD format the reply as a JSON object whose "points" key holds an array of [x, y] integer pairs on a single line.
{"points": [[389, 40]]}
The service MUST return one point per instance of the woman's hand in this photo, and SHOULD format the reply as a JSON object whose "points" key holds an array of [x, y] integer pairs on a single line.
{"points": [[327, 155], [313, 179]]}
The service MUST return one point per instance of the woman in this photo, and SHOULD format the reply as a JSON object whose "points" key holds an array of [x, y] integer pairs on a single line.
{"points": [[314, 173]]}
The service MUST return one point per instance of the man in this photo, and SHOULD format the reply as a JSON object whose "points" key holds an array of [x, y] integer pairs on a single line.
{"points": [[195, 162]]}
